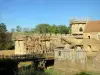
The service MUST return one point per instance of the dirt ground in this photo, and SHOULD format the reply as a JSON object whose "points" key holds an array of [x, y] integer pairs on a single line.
{"points": [[7, 52]]}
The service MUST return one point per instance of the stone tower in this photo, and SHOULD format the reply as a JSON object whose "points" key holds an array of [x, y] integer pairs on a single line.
{"points": [[77, 26]]}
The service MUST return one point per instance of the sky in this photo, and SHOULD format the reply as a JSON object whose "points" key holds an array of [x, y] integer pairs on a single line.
{"points": [[29, 13]]}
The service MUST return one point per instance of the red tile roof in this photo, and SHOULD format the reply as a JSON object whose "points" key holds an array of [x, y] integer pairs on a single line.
{"points": [[92, 26]]}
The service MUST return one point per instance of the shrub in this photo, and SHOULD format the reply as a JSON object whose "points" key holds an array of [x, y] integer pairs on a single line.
{"points": [[82, 73], [6, 42]]}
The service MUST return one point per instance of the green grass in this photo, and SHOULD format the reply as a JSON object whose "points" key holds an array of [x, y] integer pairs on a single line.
{"points": [[52, 72], [88, 73], [94, 73]]}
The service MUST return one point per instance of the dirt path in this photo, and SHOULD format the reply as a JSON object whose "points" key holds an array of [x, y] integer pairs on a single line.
{"points": [[7, 52]]}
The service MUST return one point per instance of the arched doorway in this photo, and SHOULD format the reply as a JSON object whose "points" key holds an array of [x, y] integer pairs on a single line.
{"points": [[89, 48], [89, 37]]}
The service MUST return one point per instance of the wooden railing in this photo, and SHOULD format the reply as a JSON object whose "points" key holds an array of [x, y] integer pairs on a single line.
{"points": [[27, 56]]}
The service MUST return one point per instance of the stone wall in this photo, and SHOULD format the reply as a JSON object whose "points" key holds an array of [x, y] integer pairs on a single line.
{"points": [[91, 65], [66, 66]]}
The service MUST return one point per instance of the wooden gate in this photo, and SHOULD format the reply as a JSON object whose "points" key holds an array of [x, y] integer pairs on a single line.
{"points": [[74, 55], [71, 55]]}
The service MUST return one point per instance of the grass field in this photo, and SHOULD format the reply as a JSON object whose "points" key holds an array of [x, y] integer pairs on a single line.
{"points": [[21, 64], [94, 73], [52, 72]]}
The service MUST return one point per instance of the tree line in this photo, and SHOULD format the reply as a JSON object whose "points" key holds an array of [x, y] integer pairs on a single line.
{"points": [[40, 28], [6, 41], [43, 28], [5, 38]]}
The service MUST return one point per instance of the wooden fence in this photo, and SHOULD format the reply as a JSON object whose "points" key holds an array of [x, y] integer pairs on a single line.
{"points": [[26, 56], [71, 54]]}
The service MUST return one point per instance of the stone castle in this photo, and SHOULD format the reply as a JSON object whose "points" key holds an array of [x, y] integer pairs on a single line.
{"points": [[81, 50], [74, 51], [81, 32]]}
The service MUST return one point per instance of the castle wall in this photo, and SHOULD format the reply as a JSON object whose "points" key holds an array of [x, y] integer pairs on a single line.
{"points": [[65, 66], [92, 64], [95, 35], [79, 40], [91, 42]]}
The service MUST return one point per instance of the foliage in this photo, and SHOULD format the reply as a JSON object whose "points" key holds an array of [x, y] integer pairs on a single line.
{"points": [[32, 30], [43, 29], [13, 30], [2, 27], [6, 41], [26, 30], [31, 71], [88, 73], [9, 46], [82, 73], [18, 28], [52, 72], [5, 38], [63, 29], [46, 28]]}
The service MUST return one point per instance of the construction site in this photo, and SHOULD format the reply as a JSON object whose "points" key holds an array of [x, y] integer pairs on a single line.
{"points": [[77, 51]]}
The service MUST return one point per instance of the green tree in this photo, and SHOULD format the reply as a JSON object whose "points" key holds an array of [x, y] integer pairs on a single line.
{"points": [[63, 29], [6, 41], [54, 29], [42, 28], [68, 30], [32, 30], [12, 30], [3, 27], [18, 28], [26, 30]]}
